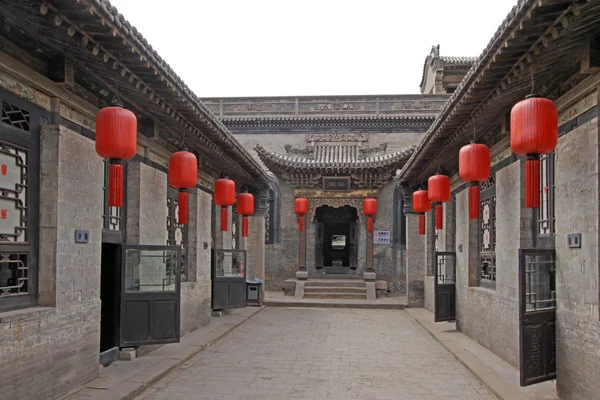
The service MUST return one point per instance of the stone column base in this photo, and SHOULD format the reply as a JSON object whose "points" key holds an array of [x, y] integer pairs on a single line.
{"points": [[303, 275], [369, 276]]}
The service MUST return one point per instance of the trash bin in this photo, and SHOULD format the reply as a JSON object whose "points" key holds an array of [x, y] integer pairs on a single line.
{"points": [[254, 292]]}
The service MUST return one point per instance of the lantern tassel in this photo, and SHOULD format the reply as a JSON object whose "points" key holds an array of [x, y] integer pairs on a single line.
{"points": [[245, 226], [421, 224], [370, 225], [439, 217], [474, 200], [224, 219], [301, 223], [183, 207], [115, 185], [532, 182]]}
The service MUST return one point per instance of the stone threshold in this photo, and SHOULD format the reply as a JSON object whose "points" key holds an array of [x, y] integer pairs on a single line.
{"points": [[500, 377], [278, 299], [124, 380]]}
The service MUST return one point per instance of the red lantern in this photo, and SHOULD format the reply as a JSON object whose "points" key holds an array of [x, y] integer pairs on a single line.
{"points": [[224, 197], [421, 205], [474, 167], [245, 207], [116, 140], [301, 208], [183, 175], [370, 209], [439, 192], [533, 131]]}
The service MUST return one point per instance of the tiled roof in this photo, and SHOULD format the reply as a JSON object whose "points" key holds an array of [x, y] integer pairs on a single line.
{"points": [[334, 156], [458, 60], [382, 120]]}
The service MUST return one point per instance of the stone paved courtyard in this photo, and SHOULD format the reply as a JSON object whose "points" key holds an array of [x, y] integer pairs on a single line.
{"points": [[285, 353]]}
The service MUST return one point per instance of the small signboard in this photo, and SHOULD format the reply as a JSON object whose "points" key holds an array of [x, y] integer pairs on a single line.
{"points": [[381, 237], [336, 183]]}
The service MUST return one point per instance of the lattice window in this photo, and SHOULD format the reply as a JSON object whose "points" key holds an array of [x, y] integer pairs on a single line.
{"points": [[546, 214], [176, 233], [14, 274], [111, 216], [15, 116], [13, 194], [540, 282], [235, 229], [487, 233]]}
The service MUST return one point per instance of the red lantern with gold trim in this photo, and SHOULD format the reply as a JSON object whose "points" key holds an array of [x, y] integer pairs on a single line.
{"points": [[533, 132], [301, 208], [224, 197], [370, 209], [116, 140], [245, 207], [439, 192], [183, 175], [474, 167], [421, 205]]}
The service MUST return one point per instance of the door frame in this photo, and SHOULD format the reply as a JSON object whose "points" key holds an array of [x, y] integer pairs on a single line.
{"points": [[447, 313], [232, 279], [538, 321], [149, 296]]}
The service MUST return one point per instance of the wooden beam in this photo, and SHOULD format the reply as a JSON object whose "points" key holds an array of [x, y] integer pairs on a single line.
{"points": [[590, 60], [61, 70]]}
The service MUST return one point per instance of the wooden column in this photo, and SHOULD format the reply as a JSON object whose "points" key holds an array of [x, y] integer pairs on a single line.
{"points": [[302, 273]]}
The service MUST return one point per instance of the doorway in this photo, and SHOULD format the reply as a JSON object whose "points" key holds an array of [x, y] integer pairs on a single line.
{"points": [[336, 239], [110, 300]]}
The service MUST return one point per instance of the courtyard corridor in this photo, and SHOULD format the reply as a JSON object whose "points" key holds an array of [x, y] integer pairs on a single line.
{"points": [[344, 354]]}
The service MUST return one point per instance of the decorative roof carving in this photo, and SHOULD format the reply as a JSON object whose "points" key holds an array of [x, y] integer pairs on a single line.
{"points": [[337, 137]]}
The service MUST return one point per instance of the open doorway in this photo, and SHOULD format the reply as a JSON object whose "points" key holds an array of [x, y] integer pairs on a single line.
{"points": [[336, 239], [110, 278]]}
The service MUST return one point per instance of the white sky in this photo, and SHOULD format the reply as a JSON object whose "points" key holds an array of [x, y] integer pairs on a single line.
{"points": [[226, 48]]}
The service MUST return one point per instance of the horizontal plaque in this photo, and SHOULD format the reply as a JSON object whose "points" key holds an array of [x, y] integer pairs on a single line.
{"points": [[336, 183], [381, 237]]}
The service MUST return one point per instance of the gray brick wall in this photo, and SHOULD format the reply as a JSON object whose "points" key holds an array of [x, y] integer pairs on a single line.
{"points": [[196, 292], [578, 329], [46, 353], [491, 316]]}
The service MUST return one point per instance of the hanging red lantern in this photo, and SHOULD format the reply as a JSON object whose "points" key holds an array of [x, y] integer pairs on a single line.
{"points": [[474, 167], [301, 208], [116, 140], [183, 175], [439, 192], [224, 197], [245, 207], [421, 205], [533, 131], [370, 209]]}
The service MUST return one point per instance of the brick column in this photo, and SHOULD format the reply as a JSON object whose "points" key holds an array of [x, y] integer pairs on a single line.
{"points": [[415, 253], [302, 273]]}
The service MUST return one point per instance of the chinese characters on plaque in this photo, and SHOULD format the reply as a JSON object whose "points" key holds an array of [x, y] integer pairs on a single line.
{"points": [[381, 237], [336, 183]]}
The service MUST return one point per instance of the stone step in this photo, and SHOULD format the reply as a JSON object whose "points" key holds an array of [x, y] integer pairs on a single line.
{"points": [[335, 289], [326, 295], [320, 303], [335, 276], [334, 283]]}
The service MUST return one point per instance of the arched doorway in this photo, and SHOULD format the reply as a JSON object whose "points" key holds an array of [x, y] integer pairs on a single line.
{"points": [[336, 239]]}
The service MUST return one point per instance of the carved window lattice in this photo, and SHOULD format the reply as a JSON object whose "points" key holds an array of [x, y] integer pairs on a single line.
{"points": [[540, 282], [16, 116], [487, 234], [111, 216], [235, 231], [546, 213], [14, 274], [13, 194], [177, 233]]}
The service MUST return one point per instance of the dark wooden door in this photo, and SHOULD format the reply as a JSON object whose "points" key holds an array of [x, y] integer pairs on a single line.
{"points": [[228, 279], [444, 286], [353, 245], [150, 295], [537, 315], [319, 238]]}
